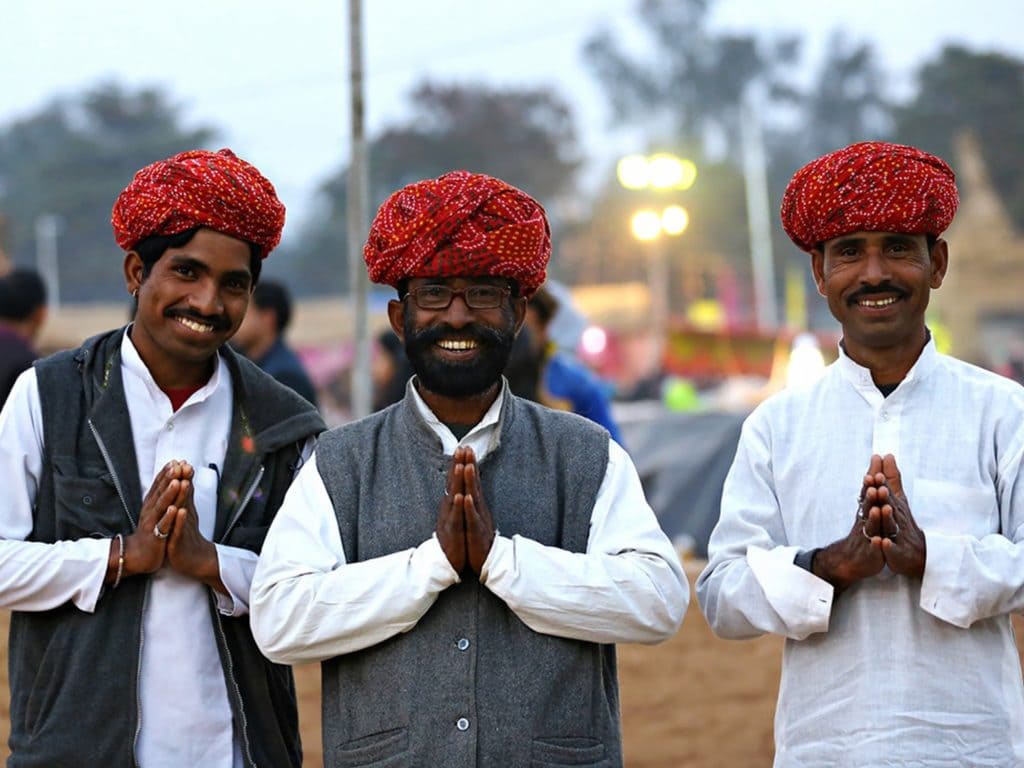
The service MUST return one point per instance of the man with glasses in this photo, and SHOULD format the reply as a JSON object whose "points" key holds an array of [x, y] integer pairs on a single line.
{"points": [[463, 561]]}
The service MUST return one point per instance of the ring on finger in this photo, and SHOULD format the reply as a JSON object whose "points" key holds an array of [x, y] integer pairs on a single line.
{"points": [[158, 533]]}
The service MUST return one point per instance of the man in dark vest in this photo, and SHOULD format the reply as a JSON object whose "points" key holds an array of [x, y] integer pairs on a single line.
{"points": [[463, 561], [140, 474]]}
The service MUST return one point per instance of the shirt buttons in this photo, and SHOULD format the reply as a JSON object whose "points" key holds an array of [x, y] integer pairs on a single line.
{"points": [[463, 644], [170, 425], [462, 724], [885, 415]]}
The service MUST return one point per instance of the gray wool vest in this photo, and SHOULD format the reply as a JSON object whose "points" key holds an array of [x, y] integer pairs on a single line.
{"points": [[471, 684]]}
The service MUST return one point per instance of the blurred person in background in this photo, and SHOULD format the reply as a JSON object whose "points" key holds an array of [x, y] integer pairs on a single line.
{"points": [[875, 517], [22, 315], [565, 383], [391, 370], [261, 338], [462, 563], [140, 473]]}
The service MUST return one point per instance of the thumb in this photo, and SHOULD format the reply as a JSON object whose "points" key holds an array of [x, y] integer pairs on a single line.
{"points": [[892, 474]]}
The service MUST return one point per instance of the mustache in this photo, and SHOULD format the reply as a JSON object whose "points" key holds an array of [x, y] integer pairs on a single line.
{"points": [[871, 290], [478, 333], [219, 322]]}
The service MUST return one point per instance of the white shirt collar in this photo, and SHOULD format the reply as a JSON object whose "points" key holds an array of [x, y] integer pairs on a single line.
{"points": [[860, 377], [132, 363], [482, 438]]}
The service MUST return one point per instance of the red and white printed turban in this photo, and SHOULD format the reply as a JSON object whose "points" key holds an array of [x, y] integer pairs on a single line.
{"points": [[459, 225], [218, 190], [872, 186]]}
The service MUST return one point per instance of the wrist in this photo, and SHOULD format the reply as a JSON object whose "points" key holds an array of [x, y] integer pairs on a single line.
{"points": [[827, 569]]}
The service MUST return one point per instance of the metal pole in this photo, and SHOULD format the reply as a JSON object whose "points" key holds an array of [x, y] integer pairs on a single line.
{"points": [[758, 216], [658, 288], [47, 229], [356, 220]]}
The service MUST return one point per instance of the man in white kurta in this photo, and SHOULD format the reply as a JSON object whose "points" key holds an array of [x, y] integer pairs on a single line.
{"points": [[875, 518]]}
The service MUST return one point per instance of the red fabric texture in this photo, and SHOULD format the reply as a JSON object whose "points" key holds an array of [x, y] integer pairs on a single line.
{"points": [[872, 186], [218, 190], [459, 225]]}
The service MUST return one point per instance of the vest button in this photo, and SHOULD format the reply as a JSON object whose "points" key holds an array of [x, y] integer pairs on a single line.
{"points": [[87, 500], [462, 724], [463, 644]]}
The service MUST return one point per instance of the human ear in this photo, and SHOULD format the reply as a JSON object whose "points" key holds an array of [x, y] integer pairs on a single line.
{"points": [[939, 262], [134, 271], [818, 268], [396, 316]]}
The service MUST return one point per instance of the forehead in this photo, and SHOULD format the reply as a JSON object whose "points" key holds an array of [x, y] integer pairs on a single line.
{"points": [[213, 250], [458, 282], [873, 236]]}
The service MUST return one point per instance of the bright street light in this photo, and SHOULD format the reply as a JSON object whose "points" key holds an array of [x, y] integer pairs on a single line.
{"points": [[660, 171], [645, 225], [633, 172], [674, 220]]}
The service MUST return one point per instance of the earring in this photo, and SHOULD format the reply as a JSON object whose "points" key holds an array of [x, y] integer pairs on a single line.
{"points": [[135, 293]]}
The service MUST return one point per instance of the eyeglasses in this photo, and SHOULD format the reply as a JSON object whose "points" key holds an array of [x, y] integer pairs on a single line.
{"points": [[483, 296]]}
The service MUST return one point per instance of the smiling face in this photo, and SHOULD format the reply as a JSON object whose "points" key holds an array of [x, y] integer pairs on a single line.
{"points": [[457, 352], [191, 302], [877, 285]]}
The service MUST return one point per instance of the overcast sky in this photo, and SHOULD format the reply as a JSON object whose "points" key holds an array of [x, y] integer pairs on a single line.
{"points": [[272, 76]]}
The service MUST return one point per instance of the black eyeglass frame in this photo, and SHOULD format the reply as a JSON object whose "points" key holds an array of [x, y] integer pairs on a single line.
{"points": [[464, 293]]}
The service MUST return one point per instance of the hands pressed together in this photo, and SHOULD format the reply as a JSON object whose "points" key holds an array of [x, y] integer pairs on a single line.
{"points": [[465, 528], [883, 533], [168, 532]]}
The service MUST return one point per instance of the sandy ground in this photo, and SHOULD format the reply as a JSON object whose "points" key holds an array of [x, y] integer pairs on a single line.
{"points": [[694, 701]]}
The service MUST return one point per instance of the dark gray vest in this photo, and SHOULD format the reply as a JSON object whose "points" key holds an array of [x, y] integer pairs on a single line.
{"points": [[471, 684]]}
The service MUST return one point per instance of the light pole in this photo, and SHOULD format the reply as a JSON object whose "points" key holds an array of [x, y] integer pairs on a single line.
{"points": [[661, 172]]}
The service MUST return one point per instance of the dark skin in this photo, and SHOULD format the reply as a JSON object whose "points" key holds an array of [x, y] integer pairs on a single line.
{"points": [[465, 528], [884, 533], [206, 283], [877, 285], [169, 508]]}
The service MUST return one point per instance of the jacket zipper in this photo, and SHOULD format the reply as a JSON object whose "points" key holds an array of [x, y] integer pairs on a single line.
{"points": [[245, 502], [145, 593]]}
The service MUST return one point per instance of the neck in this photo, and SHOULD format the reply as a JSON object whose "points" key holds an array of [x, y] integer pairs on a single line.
{"points": [[173, 374], [459, 410], [888, 365]]}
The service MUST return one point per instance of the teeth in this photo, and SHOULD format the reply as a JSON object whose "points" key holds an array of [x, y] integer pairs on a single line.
{"points": [[457, 345], [877, 302], [198, 327]]}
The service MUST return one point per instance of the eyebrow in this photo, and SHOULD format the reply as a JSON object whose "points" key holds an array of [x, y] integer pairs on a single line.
{"points": [[202, 266]]}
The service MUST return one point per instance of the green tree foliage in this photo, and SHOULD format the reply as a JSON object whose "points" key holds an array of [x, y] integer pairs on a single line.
{"points": [[525, 136], [981, 92], [691, 77], [71, 159]]}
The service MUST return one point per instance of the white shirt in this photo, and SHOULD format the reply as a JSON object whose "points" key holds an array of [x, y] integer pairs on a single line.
{"points": [[185, 714], [895, 671], [308, 604]]}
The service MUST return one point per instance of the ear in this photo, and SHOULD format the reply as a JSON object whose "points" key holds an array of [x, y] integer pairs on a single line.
{"points": [[818, 268], [940, 262], [396, 316], [133, 271], [519, 309]]}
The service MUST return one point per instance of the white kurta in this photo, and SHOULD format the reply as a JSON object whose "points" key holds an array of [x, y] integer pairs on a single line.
{"points": [[308, 604], [895, 671], [185, 714]]}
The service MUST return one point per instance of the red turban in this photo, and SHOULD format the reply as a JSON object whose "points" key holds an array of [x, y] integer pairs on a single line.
{"points": [[459, 225], [872, 186], [199, 188]]}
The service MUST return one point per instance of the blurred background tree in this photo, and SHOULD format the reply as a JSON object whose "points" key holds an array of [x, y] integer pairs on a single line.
{"points": [[526, 137], [70, 160]]}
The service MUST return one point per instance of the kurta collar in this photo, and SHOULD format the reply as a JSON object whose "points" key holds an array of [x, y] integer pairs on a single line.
{"points": [[490, 420], [860, 377], [134, 364]]}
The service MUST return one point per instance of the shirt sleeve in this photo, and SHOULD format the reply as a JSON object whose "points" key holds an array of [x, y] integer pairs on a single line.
{"points": [[36, 576], [751, 584], [966, 578], [308, 604], [628, 586]]}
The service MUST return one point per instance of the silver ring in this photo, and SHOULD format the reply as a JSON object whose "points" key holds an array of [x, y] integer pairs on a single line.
{"points": [[892, 536], [158, 533]]}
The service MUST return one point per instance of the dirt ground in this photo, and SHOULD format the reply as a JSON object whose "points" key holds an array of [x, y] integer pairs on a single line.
{"points": [[694, 701]]}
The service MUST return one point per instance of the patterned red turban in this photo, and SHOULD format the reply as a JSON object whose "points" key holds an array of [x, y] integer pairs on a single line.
{"points": [[459, 225], [199, 188], [872, 186]]}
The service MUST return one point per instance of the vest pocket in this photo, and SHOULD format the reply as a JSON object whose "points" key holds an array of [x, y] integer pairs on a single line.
{"points": [[387, 749], [576, 751], [86, 506]]}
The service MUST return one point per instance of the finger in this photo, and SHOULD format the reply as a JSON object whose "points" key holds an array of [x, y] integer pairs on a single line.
{"points": [[159, 483], [892, 474], [875, 465], [179, 522], [873, 526], [889, 527], [166, 522]]}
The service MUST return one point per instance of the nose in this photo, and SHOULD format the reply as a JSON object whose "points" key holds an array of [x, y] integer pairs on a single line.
{"points": [[205, 299], [459, 313], [876, 267]]}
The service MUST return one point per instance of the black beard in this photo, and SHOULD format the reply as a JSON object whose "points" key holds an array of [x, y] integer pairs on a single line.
{"points": [[458, 380]]}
